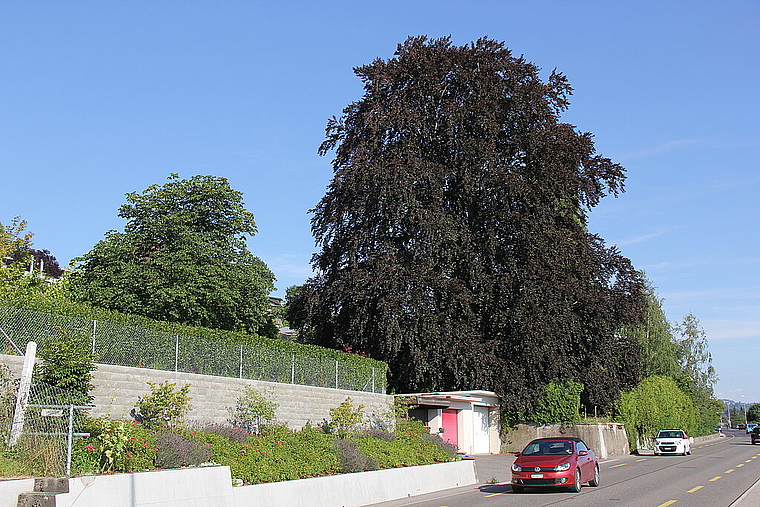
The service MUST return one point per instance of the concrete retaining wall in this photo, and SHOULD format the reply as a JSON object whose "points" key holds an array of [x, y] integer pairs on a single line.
{"points": [[605, 439], [353, 490], [212, 487], [10, 490], [117, 389]]}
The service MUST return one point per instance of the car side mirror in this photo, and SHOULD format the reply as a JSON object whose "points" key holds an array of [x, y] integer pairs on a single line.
{"points": [[582, 453], [517, 454]]}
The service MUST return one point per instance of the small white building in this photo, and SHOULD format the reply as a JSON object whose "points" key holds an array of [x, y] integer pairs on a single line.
{"points": [[467, 419]]}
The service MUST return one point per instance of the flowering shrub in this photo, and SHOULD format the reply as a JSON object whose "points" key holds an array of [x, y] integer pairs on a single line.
{"points": [[277, 454], [113, 446], [352, 459], [174, 451]]}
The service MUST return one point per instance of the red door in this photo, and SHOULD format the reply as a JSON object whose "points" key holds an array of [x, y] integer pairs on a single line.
{"points": [[450, 426]]}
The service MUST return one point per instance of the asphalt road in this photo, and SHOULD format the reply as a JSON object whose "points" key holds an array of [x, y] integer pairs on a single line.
{"points": [[716, 474]]}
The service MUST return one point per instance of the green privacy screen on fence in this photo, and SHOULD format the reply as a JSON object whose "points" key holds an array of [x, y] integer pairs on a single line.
{"points": [[124, 345]]}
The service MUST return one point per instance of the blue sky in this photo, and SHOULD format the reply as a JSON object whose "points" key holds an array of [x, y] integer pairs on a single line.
{"points": [[101, 98]]}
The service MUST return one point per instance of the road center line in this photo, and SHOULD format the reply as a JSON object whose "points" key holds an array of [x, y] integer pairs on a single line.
{"points": [[692, 490], [620, 465], [642, 459], [715, 478], [728, 471], [669, 502]]}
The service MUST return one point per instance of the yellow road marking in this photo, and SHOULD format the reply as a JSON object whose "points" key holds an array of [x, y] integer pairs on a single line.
{"points": [[642, 459], [748, 461], [620, 465], [728, 471], [692, 490], [669, 502], [493, 494], [715, 478], [740, 465]]}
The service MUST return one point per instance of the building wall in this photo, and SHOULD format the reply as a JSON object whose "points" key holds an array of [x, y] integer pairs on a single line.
{"points": [[117, 389]]}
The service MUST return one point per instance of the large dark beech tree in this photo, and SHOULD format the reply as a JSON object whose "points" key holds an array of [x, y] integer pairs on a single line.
{"points": [[453, 239], [181, 258]]}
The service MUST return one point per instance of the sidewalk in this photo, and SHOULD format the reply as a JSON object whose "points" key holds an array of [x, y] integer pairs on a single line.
{"points": [[750, 498]]}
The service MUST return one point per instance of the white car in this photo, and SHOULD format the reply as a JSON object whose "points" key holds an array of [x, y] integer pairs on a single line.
{"points": [[672, 442]]}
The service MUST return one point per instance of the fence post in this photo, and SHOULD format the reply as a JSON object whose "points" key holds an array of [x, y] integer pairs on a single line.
{"points": [[373, 379], [241, 362], [22, 397], [336, 374], [94, 328], [293, 368], [176, 351], [70, 440]]}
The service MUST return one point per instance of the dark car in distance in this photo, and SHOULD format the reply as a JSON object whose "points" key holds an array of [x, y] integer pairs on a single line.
{"points": [[755, 435], [555, 462]]}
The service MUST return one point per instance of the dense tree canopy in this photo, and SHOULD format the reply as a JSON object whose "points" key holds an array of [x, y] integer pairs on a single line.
{"points": [[15, 254], [453, 239], [181, 258]]}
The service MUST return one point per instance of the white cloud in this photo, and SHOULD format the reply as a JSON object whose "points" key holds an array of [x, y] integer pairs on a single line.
{"points": [[286, 266], [642, 238], [656, 150]]}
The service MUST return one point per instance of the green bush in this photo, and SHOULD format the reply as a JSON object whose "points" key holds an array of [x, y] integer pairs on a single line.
{"points": [[163, 407], [345, 418], [277, 454], [252, 411], [412, 445]]}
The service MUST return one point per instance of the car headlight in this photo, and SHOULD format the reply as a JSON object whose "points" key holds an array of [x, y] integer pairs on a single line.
{"points": [[562, 467], [516, 467]]}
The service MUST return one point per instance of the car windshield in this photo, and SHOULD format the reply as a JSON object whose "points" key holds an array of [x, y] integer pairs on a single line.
{"points": [[550, 448], [670, 434]]}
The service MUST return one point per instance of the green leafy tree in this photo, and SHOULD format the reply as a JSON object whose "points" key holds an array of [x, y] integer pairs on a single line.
{"points": [[67, 363], [656, 403], [697, 376], [453, 240], [181, 258], [659, 351], [561, 403], [15, 255], [753, 413]]}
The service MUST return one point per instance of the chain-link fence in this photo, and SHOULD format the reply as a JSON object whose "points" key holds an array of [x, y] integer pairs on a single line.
{"points": [[122, 345], [40, 430]]}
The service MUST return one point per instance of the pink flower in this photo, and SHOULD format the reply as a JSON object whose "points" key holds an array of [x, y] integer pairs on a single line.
{"points": [[263, 452], [89, 447]]}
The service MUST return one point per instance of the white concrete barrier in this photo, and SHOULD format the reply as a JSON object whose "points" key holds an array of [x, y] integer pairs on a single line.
{"points": [[353, 490], [212, 487], [11, 489], [189, 487]]}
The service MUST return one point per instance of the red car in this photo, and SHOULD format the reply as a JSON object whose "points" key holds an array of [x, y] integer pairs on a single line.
{"points": [[565, 462]]}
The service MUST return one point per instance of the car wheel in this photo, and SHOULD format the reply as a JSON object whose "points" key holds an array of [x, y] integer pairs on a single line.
{"points": [[576, 488], [517, 489], [595, 481]]}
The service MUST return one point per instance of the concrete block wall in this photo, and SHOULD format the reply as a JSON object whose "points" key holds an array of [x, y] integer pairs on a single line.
{"points": [[605, 439], [117, 389]]}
